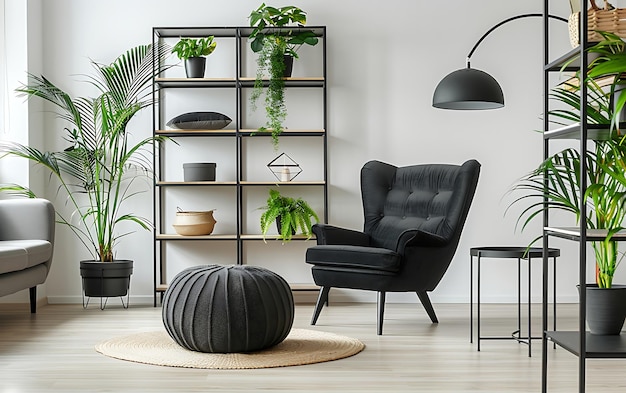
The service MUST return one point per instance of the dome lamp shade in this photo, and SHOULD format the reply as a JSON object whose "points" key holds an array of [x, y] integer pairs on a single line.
{"points": [[468, 89]]}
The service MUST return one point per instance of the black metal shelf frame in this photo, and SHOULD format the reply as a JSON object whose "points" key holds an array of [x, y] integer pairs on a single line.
{"points": [[580, 343], [238, 84]]}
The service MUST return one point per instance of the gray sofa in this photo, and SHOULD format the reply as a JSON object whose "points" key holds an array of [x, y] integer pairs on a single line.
{"points": [[26, 245]]}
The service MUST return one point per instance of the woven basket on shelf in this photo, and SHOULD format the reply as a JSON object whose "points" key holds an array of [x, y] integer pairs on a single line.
{"points": [[608, 19]]}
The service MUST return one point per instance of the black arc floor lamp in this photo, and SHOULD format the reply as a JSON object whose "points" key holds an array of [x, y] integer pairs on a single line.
{"points": [[472, 89]]}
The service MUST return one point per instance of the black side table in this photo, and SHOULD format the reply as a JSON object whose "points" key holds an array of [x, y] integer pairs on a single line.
{"points": [[518, 253]]}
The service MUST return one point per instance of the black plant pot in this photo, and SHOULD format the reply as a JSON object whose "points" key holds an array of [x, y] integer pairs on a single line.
{"points": [[288, 66], [606, 309], [106, 279], [195, 66], [279, 225]]}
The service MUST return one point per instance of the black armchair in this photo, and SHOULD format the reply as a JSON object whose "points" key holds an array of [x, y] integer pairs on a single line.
{"points": [[413, 221]]}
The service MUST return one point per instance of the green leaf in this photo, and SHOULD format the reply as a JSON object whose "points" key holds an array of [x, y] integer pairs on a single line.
{"points": [[97, 170]]}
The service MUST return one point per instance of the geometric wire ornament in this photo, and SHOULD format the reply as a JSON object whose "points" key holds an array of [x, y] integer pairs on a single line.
{"points": [[284, 168]]}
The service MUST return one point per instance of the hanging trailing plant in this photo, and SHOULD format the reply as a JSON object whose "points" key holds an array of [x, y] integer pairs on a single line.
{"points": [[273, 40], [271, 62]]}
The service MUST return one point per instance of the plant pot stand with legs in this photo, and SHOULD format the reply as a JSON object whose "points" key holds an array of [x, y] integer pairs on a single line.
{"points": [[105, 280]]}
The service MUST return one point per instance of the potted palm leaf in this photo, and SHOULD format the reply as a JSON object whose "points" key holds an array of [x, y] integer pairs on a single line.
{"points": [[559, 181], [289, 214], [277, 46], [100, 169]]}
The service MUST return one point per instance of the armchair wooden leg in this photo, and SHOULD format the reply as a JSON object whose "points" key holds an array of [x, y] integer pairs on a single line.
{"points": [[423, 296], [33, 299], [321, 300], [381, 313]]}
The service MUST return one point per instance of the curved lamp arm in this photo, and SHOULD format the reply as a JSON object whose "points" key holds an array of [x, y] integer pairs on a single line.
{"points": [[473, 89], [504, 22]]}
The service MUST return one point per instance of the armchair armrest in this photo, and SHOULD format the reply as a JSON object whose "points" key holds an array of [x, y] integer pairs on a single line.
{"points": [[419, 238], [27, 218], [329, 234]]}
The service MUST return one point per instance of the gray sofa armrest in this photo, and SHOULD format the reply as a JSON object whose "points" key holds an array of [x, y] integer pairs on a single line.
{"points": [[27, 218]]}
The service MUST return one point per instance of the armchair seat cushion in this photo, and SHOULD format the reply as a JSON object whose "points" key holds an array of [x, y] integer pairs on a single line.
{"points": [[355, 257]]}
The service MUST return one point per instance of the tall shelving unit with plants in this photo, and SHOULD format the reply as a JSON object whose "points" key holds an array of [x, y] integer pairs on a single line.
{"points": [[240, 151], [579, 342]]}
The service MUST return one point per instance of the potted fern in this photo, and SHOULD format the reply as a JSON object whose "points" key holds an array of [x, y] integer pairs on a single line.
{"points": [[289, 214], [276, 45], [193, 52], [100, 170]]}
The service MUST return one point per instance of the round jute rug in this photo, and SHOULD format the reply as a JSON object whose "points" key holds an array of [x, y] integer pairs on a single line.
{"points": [[301, 346]]}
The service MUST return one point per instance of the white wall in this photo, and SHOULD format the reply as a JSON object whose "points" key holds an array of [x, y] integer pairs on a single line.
{"points": [[23, 119], [384, 61]]}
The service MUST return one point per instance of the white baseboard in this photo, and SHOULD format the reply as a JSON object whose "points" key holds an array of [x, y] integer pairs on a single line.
{"points": [[134, 300], [15, 306], [310, 297]]}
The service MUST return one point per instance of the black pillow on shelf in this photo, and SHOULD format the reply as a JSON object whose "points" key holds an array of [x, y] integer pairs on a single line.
{"points": [[200, 121]]}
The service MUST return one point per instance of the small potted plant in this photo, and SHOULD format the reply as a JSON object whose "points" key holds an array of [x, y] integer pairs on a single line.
{"points": [[277, 46], [289, 214], [193, 52]]}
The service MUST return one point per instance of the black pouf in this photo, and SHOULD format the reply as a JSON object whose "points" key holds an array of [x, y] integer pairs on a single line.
{"points": [[226, 309]]}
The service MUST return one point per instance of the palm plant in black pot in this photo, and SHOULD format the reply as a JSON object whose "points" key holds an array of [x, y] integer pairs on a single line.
{"points": [[100, 169], [558, 179]]}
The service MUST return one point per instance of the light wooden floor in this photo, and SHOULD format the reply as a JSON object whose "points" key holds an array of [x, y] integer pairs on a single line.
{"points": [[52, 351]]}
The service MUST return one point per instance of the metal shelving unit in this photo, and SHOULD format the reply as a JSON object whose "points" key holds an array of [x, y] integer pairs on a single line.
{"points": [[580, 343], [238, 83]]}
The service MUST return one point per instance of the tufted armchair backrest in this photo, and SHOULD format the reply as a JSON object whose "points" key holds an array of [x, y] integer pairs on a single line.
{"points": [[434, 198]]}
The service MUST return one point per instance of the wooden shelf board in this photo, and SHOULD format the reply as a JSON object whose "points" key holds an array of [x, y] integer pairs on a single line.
{"points": [[573, 54], [286, 132], [274, 237], [298, 78], [172, 236], [244, 132], [226, 31], [177, 32], [597, 132], [196, 132], [573, 233], [283, 183], [196, 183], [289, 82], [232, 82], [160, 80], [596, 346], [167, 236], [196, 82], [243, 183], [318, 30]]}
